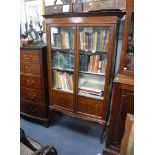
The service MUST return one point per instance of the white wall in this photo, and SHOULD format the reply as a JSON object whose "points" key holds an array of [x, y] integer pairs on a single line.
{"points": [[22, 16]]}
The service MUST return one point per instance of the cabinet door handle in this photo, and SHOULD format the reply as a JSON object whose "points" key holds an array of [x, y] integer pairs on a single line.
{"points": [[29, 68], [28, 56], [30, 82]]}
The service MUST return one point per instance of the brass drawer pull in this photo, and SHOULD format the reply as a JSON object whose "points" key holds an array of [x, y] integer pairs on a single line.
{"points": [[29, 82], [32, 96], [28, 56], [29, 68]]}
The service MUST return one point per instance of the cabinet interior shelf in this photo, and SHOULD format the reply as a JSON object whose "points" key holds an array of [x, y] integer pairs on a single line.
{"points": [[62, 69], [63, 90], [93, 73], [91, 53], [62, 50]]}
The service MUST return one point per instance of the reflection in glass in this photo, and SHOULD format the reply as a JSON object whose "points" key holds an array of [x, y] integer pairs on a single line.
{"points": [[129, 59], [91, 84], [93, 49], [62, 47]]}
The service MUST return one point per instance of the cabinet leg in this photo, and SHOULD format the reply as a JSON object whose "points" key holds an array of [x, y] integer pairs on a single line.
{"points": [[47, 123]]}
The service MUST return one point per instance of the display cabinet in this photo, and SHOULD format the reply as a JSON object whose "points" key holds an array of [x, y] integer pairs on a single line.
{"points": [[81, 56], [127, 57], [123, 90], [34, 98]]}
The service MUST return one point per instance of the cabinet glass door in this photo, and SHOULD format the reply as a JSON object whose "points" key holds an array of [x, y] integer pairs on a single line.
{"points": [[93, 49], [129, 58], [62, 52]]}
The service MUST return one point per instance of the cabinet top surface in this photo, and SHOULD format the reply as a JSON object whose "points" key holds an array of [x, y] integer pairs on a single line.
{"points": [[117, 13], [37, 47], [120, 78]]}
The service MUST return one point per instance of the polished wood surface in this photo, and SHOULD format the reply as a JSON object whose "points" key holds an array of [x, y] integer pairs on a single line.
{"points": [[90, 106], [30, 68], [122, 103], [123, 95], [74, 104], [31, 95], [127, 144], [34, 98], [30, 81], [62, 99]]}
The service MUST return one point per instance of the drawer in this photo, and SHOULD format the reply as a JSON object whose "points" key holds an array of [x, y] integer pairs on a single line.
{"points": [[38, 110], [90, 106], [30, 68], [27, 55], [31, 95], [30, 81], [62, 99]]}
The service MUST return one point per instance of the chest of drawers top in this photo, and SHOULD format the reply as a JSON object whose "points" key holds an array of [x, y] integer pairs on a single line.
{"points": [[31, 53]]}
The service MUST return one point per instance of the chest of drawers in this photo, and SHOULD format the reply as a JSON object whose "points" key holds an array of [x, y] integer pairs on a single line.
{"points": [[34, 83]]}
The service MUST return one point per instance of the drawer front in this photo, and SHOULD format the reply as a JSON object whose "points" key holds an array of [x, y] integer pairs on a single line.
{"points": [[30, 68], [62, 99], [90, 106], [27, 55], [31, 95], [30, 81], [38, 110]]}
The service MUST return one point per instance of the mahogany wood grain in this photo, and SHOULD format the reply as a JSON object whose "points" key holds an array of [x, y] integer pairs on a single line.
{"points": [[122, 103], [30, 68], [62, 99], [31, 95], [29, 55], [30, 81], [91, 106]]}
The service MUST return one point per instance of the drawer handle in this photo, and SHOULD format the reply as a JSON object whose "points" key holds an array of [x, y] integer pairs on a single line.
{"points": [[30, 82], [32, 96], [29, 68], [34, 110], [28, 56]]}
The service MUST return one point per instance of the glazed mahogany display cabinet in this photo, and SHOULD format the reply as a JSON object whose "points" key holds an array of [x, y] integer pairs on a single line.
{"points": [[80, 63]]}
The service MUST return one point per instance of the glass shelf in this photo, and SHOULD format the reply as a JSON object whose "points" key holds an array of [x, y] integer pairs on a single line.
{"points": [[63, 50], [92, 53], [62, 69], [100, 74]]}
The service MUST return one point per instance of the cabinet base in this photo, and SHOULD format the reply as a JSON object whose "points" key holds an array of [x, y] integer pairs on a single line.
{"points": [[46, 122]]}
